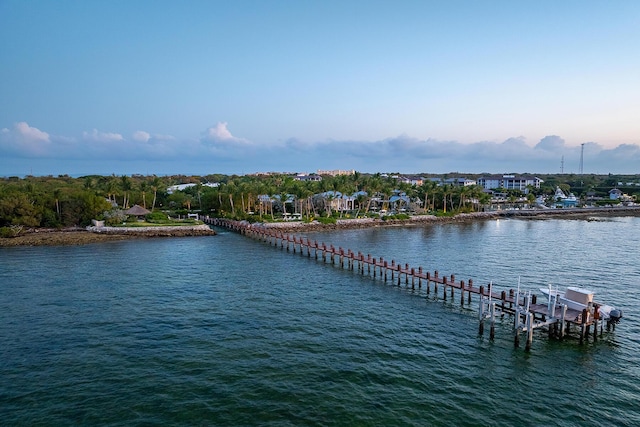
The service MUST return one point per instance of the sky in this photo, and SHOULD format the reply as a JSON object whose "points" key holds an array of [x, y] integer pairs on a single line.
{"points": [[238, 87]]}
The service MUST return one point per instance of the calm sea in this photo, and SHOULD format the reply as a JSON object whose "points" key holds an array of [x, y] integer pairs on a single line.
{"points": [[226, 330]]}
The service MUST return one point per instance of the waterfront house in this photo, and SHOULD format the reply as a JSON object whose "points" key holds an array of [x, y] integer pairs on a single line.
{"points": [[564, 201], [308, 178], [615, 194]]}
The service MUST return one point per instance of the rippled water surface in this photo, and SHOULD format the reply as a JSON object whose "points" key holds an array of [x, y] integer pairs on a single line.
{"points": [[226, 330]]}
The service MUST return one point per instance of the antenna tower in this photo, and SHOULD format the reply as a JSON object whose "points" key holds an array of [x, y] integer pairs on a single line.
{"points": [[562, 165], [582, 158]]}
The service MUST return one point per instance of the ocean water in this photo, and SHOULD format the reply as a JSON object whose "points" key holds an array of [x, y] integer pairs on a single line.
{"points": [[227, 330]]}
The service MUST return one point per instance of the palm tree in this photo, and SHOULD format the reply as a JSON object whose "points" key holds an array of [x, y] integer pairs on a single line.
{"points": [[531, 198], [56, 195], [231, 189], [112, 189], [198, 190], [328, 200], [126, 185], [386, 190], [475, 195], [143, 189], [512, 199], [429, 188], [284, 197], [88, 183], [445, 192], [155, 184], [360, 199], [463, 192], [371, 186]]}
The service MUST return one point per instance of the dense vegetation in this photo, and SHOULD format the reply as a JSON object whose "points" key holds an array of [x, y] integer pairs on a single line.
{"points": [[64, 201]]}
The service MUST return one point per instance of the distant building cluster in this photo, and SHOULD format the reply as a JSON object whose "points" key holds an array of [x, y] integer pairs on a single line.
{"points": [[496, 187], [182, 187], [336, 172], [489, 182]]}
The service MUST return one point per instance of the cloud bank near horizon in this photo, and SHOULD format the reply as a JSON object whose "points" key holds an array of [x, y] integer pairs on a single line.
{"points": [[217, 150]]}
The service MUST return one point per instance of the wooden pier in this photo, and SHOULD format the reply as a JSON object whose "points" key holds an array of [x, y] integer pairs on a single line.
{"points": [[527, 313]]}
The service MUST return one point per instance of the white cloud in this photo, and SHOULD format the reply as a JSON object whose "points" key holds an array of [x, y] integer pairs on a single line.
{"points": [[219, 132], [141, 136], [30, 134], [551, 143], [24, 140], [218, 150], [218, 142], [96, 136]]}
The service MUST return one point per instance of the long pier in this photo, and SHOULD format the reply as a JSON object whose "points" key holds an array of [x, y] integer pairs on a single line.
{"points": [[527, 313]]}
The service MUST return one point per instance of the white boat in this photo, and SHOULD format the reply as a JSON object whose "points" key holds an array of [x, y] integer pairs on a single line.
{"points": [[579, 299]]}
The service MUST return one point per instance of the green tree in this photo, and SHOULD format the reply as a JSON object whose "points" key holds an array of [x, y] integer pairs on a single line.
{"points": [[155, 185], [143, 190], [18, 209], [56, 194], [126, 186]]}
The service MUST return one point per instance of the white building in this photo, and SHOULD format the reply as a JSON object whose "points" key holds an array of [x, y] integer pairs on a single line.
{"points": [[509, 182], [458, 182], [336, 172], [182, 187]]}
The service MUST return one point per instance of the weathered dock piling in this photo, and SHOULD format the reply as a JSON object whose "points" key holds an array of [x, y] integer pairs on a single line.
{"points": [[527, 314]]}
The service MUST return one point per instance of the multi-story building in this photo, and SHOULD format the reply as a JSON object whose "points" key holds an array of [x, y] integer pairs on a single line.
{"points": [[457, 182], [509, 182]]}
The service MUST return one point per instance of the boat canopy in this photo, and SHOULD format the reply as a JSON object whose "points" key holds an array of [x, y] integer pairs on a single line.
{"points": [[581, 296]]}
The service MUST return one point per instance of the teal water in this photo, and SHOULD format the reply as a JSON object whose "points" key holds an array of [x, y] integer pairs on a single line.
{"points": [[226, 330]]}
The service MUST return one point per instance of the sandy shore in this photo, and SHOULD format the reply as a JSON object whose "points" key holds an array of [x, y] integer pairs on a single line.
{"points": [[48, 237]]}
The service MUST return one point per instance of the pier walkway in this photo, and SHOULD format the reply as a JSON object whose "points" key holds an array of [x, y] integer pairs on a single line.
{"points": [[527, 313]]}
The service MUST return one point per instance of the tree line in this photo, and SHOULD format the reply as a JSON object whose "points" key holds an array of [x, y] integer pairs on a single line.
{"points": [[64, 201]]}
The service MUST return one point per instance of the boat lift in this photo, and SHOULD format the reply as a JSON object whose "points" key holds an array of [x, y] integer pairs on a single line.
{"points": [[524, 315]]}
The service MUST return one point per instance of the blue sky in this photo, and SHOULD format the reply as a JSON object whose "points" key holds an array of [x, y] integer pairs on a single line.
{"points": [[199, 87]]}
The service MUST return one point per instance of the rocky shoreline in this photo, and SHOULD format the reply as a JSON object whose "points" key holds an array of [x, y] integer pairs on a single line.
{"points": [[79, 236], [176, 230], [537, 214]]}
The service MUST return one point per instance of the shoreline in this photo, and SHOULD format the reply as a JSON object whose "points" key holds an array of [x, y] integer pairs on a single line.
{"points": [[419, 220], [81, 236]]}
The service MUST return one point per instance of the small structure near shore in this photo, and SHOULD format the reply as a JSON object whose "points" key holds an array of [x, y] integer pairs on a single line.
{"points": [[138, 211]]}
